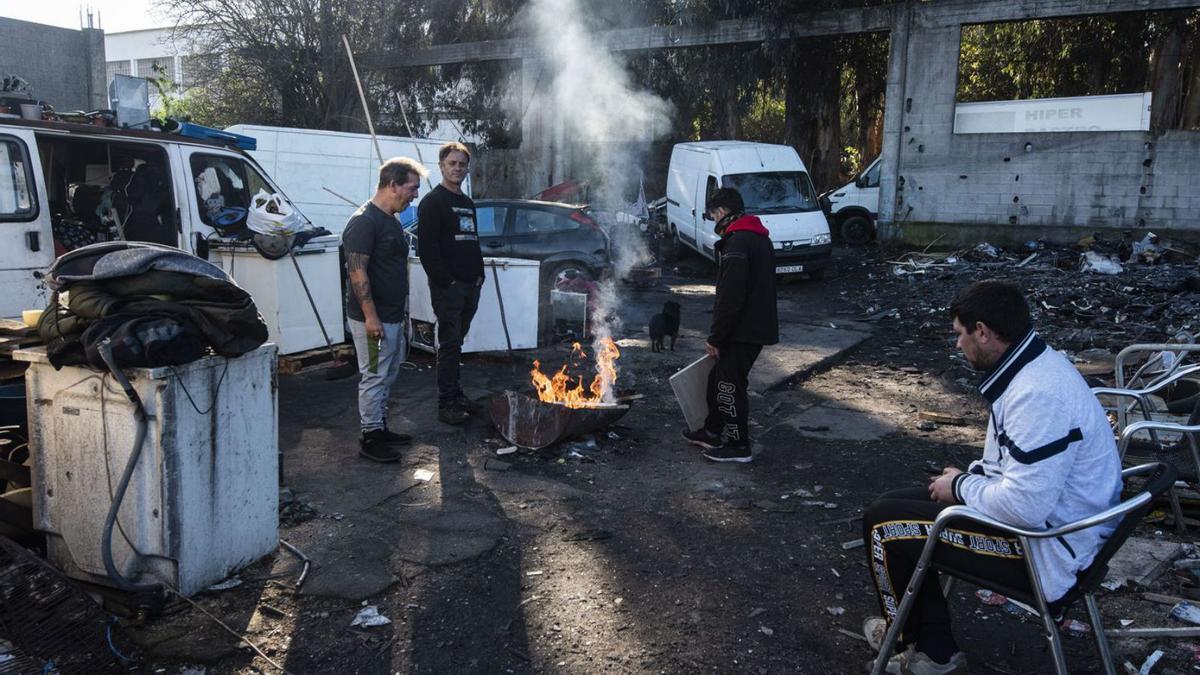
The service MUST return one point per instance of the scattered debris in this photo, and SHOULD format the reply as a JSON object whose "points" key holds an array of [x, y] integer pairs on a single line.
{"points": [[423, 475], [852, 634], [1142, 560], [496, 465], [852, 544], [772, 507], [535, 573], [835, 611], [942, 418], [1150, 661], [303, 558], [1075, 627], [231, 582], [506, 450], [756, 611], [1094, 262], [1186, 612], [991, 597], [369, 616], [766, 631]]}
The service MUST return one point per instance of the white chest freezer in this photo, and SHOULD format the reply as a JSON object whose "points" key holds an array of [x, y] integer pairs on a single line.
{"points": [[279, 295], [519, 281], [204, 497]]}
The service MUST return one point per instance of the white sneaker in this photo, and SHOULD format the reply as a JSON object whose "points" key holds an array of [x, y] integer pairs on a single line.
{"points": [[875, 628], [912, 662]]}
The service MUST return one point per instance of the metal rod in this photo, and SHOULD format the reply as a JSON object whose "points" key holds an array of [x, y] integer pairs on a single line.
{"points": [[333, 357], [408, 128], [341, 197], [363, 97], [503, 319]]}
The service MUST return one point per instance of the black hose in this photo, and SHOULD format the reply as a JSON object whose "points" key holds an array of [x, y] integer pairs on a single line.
{"points": [[139, 413]]}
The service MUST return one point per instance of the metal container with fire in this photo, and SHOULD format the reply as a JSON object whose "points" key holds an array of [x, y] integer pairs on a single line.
{"points": [[563, 408]]}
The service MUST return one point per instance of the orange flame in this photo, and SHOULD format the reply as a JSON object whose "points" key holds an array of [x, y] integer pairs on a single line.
{"points": [[558, 388]]}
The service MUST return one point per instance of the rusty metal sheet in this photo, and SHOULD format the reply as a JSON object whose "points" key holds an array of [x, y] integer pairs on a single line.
{"points": [[529, 423]]}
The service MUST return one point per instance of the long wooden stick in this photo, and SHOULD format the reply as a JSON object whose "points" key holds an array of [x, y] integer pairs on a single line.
{"points": [[363, 97]]}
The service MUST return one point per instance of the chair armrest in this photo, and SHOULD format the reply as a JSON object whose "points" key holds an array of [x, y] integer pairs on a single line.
{"points": [[1153, 387], [967, 513]]}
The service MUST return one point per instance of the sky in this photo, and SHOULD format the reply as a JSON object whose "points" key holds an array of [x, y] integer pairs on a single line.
{"points": [[114, 15]]}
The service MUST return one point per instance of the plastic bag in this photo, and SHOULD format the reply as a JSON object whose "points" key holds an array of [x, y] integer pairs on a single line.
{"points": [[272, 214]]}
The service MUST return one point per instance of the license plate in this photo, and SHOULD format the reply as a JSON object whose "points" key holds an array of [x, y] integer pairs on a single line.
{"points": [[788, 269]]}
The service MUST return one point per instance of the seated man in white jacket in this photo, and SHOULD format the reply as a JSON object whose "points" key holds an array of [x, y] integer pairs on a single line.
{"points": [[1049, 458]]}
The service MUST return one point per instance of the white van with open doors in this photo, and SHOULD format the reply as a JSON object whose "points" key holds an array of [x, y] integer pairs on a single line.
{"points": [[854, 206], [65, 185], [774, 185]]}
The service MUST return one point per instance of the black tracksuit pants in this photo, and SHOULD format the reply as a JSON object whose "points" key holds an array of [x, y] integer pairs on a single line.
{"points": [[895, 529], [454, 307], [728, 382]]}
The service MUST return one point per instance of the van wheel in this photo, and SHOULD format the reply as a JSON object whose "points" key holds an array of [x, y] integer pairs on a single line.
{"points": [[856, 230]]}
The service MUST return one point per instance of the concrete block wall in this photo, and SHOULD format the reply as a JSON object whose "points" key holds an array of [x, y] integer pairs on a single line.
{"points": [[64, 67], [1014, 187]]}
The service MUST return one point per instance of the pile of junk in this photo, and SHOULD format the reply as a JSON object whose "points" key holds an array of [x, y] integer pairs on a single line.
{"points": [[147, 465]]}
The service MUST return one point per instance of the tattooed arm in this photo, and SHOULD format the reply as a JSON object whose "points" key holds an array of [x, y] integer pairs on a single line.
{"points": [[356, 266]]}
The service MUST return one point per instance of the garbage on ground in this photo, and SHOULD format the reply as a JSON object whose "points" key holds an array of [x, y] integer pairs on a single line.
{"points": [[496, 465], [231, 582], [1186, 612], [1150, 662], [991, 597], [836, 611], [1074, 627], [766, 631], [369, 616], [423, 475], [1091, 261], [506, 451]]}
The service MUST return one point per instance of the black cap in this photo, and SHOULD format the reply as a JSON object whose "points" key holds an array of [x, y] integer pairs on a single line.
{"points": [[726, 197]]}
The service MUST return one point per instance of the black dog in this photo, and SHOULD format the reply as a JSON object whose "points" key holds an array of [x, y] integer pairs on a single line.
{"points": [[662, 325]]}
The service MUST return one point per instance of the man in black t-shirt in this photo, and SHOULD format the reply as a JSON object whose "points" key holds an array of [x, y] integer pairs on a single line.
{"points": [[448, 244], [377, 264]]}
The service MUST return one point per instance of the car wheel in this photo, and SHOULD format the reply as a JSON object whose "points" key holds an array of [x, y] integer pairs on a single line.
{"points": [[856, 230], [564, 271]]}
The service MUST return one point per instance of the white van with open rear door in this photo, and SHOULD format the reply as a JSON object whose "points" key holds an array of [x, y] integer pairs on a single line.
{"points": [[774, 185], [64, 185]]}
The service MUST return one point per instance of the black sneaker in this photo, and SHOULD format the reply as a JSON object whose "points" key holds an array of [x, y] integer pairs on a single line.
{"points": [[703, 438], [375, 447], [451, 413], [468, 406], [732, 452], [395, 438]]}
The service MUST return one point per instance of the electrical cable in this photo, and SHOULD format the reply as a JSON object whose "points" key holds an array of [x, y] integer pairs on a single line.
{"points": [[114, 508]]}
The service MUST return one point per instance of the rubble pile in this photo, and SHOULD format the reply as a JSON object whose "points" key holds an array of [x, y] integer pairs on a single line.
{"points": [[1100, 294]]}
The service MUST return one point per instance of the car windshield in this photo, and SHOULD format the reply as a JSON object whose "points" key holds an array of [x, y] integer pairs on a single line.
{"points": [[774, 192]]}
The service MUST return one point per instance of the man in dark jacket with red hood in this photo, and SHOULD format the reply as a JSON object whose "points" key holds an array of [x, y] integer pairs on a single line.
{"points": [[744, 319]]}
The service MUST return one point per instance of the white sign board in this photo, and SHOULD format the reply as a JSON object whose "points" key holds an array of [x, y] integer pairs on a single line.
{"points": [[1117, 112]]}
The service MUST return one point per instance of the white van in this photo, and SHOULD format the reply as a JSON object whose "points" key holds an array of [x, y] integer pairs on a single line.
{"points": [[854, 206], [775, 187], [329, 174], [64, 185]]}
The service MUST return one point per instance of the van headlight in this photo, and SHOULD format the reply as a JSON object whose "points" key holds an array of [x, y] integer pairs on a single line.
{"points": [[821, 239]]}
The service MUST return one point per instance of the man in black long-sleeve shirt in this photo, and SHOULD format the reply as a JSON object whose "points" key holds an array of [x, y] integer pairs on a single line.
{"points": [[744, 320], [448, 244]]}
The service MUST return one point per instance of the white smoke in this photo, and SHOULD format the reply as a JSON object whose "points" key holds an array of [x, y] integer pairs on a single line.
{"points": [[601, 112]]}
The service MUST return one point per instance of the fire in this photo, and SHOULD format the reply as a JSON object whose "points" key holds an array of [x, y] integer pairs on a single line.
{"points": [[561, 388]]}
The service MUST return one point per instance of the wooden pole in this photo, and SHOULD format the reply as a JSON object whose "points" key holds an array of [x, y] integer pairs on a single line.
{"points": [[363, 97]]}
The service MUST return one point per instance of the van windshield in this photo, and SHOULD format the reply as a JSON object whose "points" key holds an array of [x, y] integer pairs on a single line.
{"points": [[774, 192]]}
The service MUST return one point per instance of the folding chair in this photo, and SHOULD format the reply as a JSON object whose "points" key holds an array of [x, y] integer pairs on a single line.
{"points": [[1160, 476]]}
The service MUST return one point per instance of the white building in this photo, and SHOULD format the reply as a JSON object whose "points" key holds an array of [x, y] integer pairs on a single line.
{"points": [[139, 52]]}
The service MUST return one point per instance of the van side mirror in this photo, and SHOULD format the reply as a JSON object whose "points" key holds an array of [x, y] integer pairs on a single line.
{"points": [[704, 215], [826, 205], [861, 181], [199, 245]]}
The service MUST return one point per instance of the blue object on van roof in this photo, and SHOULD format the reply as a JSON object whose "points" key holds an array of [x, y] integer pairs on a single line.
{"points": [[209, 134]]}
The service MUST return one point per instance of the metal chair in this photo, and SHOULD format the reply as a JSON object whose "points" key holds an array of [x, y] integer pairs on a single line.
{"points": [[1160, 476]]}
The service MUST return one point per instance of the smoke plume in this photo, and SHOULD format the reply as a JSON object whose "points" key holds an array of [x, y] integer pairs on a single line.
{"points": [[602, 114]]}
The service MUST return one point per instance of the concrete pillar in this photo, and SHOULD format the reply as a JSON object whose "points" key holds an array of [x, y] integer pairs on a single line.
{"points": [[893, 119], [96, 74]]}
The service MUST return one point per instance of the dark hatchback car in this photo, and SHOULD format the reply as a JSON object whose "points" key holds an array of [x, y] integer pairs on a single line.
{"points": [[563, 237]]}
